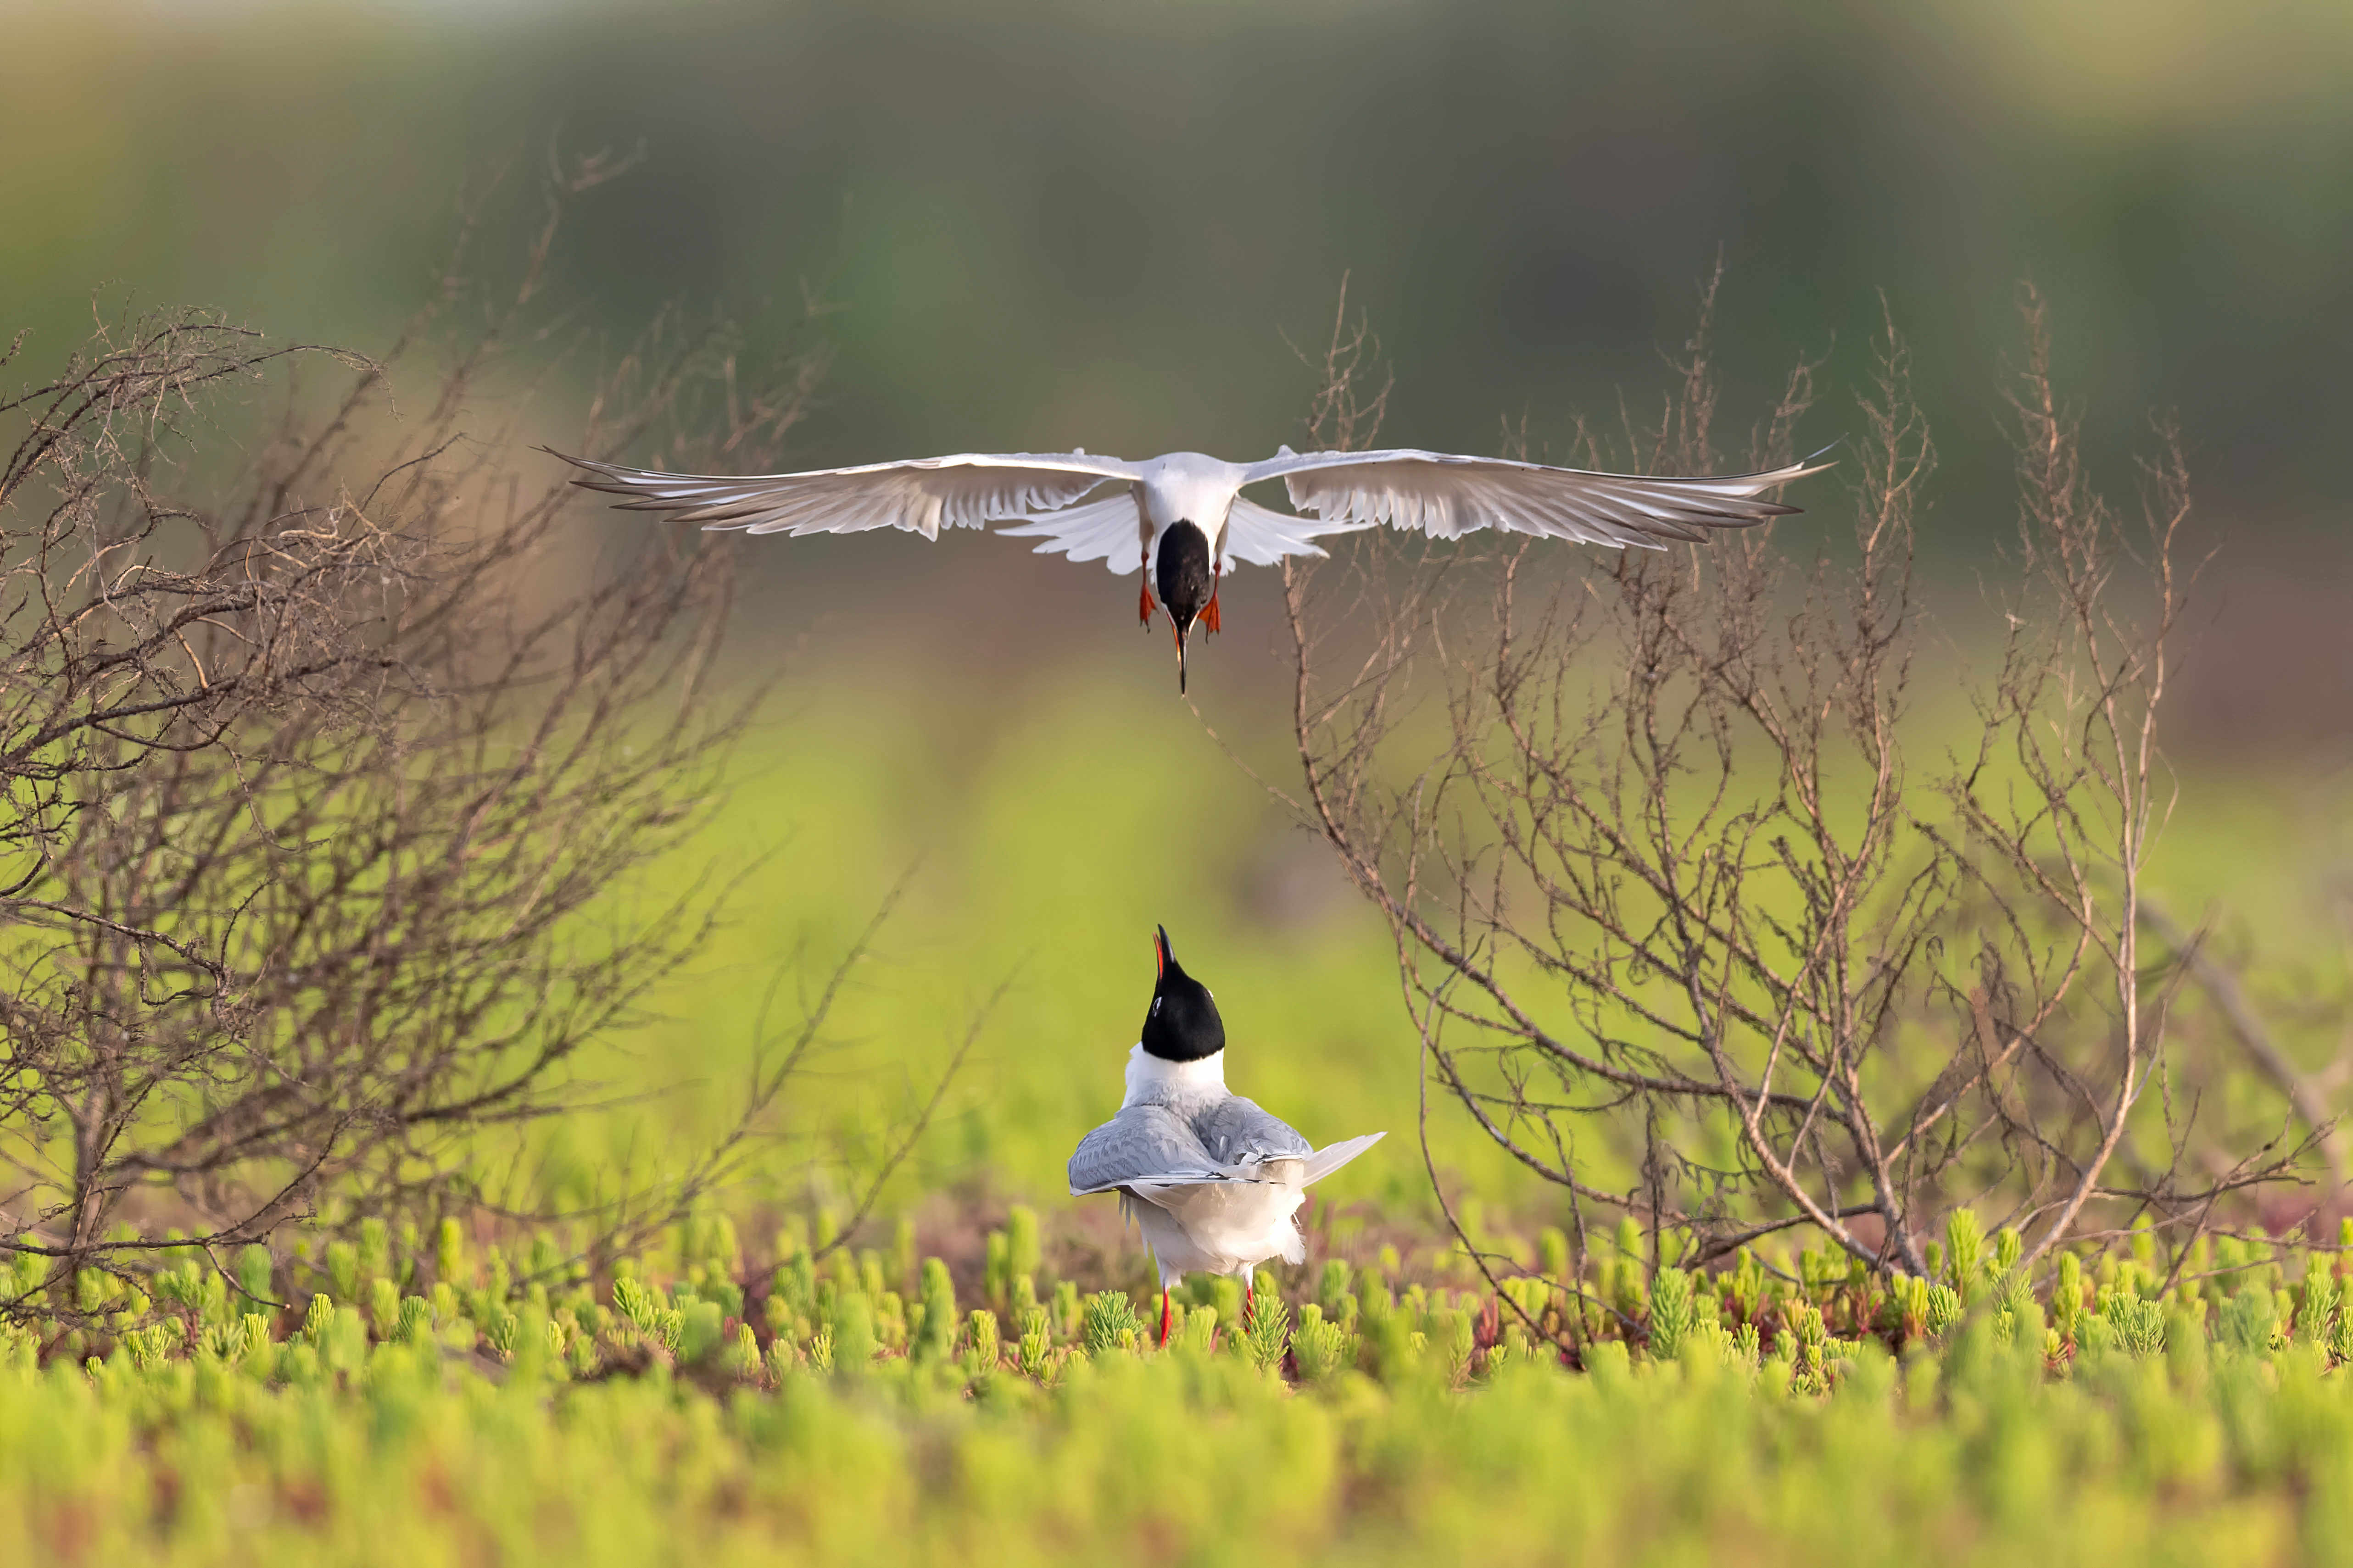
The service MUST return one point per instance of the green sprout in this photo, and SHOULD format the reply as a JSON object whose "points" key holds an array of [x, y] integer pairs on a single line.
{"points": [[2138, 1327], [981, 1347], [2248, 1319], [1022, 1253], [449, 1265], [937, 1340], [2315, 1315], [1266, 1329], [1964, 1254], [1037, 1345], [1320, 1348], [1108, 1315], [1672, 1314]]}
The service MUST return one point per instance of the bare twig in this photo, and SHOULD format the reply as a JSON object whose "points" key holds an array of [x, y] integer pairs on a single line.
{"points": [[2218, 982], [321, 773], [1660, 864]]}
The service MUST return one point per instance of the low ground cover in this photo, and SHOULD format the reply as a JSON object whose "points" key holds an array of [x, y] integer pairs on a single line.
{"points": [[415, 1400]]}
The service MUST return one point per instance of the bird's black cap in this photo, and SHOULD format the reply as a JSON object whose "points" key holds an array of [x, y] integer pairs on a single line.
{"points": [[1186, 580], [1183, 1024]]}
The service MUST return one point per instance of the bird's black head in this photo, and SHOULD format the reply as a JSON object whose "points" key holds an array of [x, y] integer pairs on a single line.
{"points": [[1183, 1024], [1185, 582]]}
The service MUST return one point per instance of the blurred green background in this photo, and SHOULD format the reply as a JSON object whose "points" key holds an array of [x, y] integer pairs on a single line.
{"points": [[1038, 226]]}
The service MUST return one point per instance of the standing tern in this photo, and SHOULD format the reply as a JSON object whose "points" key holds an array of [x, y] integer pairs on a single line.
{"points": [[1209, 1179], [1183, 515]]}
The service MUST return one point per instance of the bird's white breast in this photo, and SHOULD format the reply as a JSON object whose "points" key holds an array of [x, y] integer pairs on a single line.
{"points": [[1190, 487]]}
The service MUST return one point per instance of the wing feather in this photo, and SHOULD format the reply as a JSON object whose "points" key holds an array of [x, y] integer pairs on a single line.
{"points": [[922, 495], [1447, 496], [1146, 1148], [1331, 1156], [1105, 531], [1262, 537], [1143, 1144], [1236, 1132]]}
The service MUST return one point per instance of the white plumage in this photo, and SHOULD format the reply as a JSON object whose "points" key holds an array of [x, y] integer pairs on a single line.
{"points": [[1139, 526], [1433, 492], [1211, 1181]]}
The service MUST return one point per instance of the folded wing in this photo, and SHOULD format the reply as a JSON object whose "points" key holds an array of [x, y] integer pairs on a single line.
{"points": [[1447, 496], [1144, 1143], [922, 495], [1149, 1147]]}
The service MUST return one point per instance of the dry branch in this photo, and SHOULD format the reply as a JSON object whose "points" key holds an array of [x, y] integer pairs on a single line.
{"points": [[1689, 921], [323, 773]]}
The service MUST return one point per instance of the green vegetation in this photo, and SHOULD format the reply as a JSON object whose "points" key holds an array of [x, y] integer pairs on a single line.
{"points": [[290, 1275], [412, 1402]]}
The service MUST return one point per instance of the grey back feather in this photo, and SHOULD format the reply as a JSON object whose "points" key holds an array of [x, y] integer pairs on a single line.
{"points": [[1165, 1144], [1236, 1131]]}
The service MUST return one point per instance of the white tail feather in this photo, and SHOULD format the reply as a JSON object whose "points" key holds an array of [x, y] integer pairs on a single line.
{"points": [[1331, 1156]]}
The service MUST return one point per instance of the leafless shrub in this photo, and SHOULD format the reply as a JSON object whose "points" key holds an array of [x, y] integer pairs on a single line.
{"points": [[1699, 914], [323, 773]]}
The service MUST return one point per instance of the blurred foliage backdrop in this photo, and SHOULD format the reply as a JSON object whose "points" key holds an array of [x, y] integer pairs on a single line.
{"points": [[1032, 225]]}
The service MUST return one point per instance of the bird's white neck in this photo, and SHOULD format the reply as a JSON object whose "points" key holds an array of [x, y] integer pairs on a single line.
{"points": [[1152, 1080], [1189, 487]]}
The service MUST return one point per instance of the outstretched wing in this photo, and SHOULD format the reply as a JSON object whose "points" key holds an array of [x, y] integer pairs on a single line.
{"points": [[1447, 496], [922, 495], [1109, 531]]}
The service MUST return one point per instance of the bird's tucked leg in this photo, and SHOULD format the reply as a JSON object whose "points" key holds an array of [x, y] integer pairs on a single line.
{"points": [[1210, 611], [1144, 605], [1164, 1316]]}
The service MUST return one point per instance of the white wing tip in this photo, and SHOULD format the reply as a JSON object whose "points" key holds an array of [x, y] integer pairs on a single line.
{"points": [[1331, 1156]]}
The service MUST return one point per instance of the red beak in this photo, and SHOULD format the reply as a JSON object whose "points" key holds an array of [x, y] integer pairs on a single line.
{"points": [[1160, 951]]}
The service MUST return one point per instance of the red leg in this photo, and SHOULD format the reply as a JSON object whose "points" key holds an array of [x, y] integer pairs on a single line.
{"points": [[1250, 1297], [1164, 1317], [1210, 611], [1144, 603]]}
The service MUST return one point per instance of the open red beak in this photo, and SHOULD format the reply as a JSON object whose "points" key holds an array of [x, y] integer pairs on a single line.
{"points": [[1160, 951]]}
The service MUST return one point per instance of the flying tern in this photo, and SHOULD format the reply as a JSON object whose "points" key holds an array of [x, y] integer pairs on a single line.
{"points": [[1183, 519], [1209, 1179]]}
